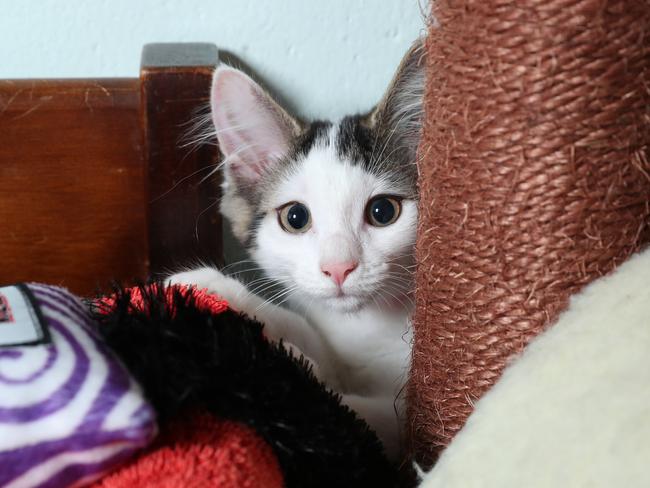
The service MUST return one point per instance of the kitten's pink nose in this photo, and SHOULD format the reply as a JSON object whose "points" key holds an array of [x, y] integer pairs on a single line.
{"points": [[338, 271]]}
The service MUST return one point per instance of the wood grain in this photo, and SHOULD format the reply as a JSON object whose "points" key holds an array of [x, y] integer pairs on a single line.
{"points": [[72, 197], [96, 185], [184, 218]]}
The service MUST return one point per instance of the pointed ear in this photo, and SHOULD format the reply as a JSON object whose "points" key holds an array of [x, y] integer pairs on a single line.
{"points": [[252, 129], [398, 116]]}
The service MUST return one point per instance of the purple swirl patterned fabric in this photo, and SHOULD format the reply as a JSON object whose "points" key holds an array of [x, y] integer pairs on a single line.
{"points": [[69, 411]]}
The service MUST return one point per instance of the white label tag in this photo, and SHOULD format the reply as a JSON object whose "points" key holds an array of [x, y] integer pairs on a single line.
{"points": [[20, 322]]}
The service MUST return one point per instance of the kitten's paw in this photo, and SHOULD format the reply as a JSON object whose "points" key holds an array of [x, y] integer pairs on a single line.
{"points": [[279, 323], [213, 281]]}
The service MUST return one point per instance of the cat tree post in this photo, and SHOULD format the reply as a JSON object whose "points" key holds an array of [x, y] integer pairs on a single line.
{"points": [[534, 180]]}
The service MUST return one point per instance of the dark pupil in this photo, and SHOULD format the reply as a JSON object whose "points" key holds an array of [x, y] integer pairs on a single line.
{"points": [[382, 210], [297, 216]]}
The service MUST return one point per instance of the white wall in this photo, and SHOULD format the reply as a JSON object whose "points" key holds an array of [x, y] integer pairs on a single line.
{"points": [[329, 57]]}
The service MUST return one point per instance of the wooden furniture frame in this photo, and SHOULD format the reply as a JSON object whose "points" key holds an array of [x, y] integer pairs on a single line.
{"points": [[96, 184]]}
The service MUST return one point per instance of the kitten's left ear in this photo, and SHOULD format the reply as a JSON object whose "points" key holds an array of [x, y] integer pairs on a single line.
{"points": [[398, 116]]}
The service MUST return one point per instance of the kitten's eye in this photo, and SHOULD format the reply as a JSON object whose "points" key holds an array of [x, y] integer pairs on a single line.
{"points": [[383, 210], [294, 217]]}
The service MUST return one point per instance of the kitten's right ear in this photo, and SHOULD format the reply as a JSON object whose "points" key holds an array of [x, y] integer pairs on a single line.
{"points": [[398, 116], [253, 131]]}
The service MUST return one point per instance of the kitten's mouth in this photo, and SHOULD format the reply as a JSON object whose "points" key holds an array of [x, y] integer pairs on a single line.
{"points": [[345, 302]]}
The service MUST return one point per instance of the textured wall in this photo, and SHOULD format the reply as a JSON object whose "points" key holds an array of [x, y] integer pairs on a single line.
{"points": [[328, 58]]}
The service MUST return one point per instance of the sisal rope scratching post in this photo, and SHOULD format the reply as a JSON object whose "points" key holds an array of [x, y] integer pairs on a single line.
{"points": [[534, 181]]}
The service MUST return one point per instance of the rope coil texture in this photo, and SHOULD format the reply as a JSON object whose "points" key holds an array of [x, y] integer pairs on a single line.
{"points": [[534, 181]]}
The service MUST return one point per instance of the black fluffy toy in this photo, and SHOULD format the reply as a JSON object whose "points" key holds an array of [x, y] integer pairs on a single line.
{"points": [[189, 356]]}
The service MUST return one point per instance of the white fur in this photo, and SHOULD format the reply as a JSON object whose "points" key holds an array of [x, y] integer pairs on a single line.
{"points": [[356, 335], [574, 409], [360, 342], [336, 193]]}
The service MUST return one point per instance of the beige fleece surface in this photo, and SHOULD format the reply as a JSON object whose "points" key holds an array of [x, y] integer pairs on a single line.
{"points": [[574, 409]]}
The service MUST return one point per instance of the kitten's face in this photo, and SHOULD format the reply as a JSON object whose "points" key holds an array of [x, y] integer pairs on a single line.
{"points": [[328, 210], [334, 232]]}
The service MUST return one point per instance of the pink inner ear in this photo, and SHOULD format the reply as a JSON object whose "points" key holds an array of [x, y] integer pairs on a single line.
{"points": [[248, 124]]}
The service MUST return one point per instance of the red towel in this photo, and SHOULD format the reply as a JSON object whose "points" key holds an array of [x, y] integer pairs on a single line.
{"points": [[200, 452]]}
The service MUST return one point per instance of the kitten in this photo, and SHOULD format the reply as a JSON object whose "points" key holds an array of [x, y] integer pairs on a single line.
{"points": [[329, 211]]}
